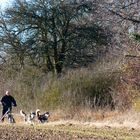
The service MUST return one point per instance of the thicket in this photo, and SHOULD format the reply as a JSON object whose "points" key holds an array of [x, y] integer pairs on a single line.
{"points": [[106, 84], [90, 87]]}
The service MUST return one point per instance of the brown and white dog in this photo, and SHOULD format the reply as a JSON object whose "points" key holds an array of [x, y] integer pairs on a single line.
{"points": [[42, 118], [28, 118]]}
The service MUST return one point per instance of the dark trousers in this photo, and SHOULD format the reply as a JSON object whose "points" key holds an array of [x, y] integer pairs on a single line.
{"points": [[5, 109]]}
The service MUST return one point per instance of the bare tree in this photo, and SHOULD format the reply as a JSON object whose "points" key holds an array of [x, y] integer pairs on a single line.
{"points": [[44, 33]]}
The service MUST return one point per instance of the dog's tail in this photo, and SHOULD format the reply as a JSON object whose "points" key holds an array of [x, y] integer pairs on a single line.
{"points": [[37, 112], [22, 113]]}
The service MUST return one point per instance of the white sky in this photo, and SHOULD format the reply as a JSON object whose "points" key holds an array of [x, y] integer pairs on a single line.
{"points": [[4, 3]]}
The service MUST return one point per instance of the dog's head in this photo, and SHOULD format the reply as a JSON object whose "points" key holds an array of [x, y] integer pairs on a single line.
{"points": [[32, 115], [47, 114]]}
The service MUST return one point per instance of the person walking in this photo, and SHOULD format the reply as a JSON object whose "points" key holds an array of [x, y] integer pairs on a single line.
{"points": [[7, 102]]}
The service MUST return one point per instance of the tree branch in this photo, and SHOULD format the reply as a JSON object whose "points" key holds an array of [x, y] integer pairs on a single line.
{"points": [[125, 17]]}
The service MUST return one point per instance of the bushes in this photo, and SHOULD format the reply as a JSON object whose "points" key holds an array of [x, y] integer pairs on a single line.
{"points": [[86, 88], [97, 86], [130, 80]]}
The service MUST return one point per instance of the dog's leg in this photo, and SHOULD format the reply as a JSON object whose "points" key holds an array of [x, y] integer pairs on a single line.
{"points": [[11, 118]]}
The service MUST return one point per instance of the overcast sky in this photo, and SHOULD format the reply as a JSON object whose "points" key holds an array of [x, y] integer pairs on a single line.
{"points": [[4, 3]]}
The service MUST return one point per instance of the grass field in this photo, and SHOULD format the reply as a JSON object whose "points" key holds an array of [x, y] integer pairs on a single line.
{"points": [[114, 126], [67, 131]]}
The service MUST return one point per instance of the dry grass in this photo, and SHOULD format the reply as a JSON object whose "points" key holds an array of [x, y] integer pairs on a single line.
{"points": [[101, 118], [80, 115]]}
